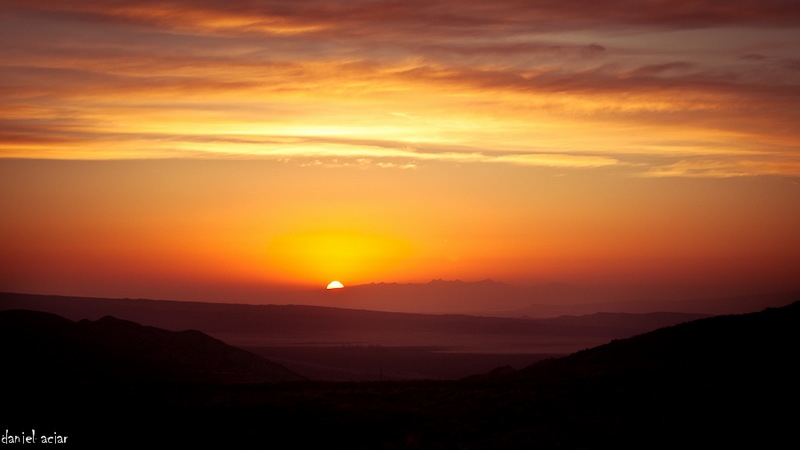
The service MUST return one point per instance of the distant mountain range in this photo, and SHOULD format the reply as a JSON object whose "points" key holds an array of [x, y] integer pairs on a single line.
{"points": [[47, 347], [270, 325], [492, 298]]}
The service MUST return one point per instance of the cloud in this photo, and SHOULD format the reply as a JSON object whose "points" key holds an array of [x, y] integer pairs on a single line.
{"points": [[555, 160], [711, 168], [366, 16], [542, 83]]}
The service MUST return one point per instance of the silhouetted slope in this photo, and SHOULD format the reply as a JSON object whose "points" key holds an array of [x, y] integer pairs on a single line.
{"points": [[723, 346], [46, 347], [721, 381]]}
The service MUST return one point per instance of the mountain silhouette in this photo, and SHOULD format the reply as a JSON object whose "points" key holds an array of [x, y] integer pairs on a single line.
{"points": [[720, 381], [45, 346], [719, 348], [727, 381]]}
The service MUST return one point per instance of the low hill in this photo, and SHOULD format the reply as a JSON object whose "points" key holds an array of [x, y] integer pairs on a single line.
{"points": [[718, 382], [755, 345], [46, 347]]}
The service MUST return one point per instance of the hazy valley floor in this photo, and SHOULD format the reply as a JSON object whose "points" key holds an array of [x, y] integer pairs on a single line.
{"points": [[375, 363]]}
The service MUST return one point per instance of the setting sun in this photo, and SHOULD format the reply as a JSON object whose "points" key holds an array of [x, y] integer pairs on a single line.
{"points": [[335, 285]]}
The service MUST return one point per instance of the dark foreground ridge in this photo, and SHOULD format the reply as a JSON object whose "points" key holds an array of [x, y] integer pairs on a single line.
{"points": [[722, 381], [39, 346]]}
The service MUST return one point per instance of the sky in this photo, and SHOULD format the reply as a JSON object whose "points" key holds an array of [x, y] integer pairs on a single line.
{"points": [[217, 150]]}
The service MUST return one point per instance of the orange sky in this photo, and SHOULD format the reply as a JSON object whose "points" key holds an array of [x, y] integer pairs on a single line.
{"points": [[216, 149]]}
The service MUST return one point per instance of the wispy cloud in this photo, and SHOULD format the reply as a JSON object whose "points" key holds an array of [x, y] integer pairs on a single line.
{"points": [[446, 13], [558, 84], [725, 168]]}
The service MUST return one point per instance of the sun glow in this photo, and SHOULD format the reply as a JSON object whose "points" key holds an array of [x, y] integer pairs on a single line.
{"points": [[323, 255]]}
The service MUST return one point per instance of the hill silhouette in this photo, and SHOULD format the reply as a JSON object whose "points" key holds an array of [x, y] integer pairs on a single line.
{"points": [[722, 347], [720, 381], [339, 344], [728, 381], [46, 347]]}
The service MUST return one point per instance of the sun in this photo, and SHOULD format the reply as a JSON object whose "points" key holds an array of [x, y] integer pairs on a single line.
{"points": [[335, 285]]}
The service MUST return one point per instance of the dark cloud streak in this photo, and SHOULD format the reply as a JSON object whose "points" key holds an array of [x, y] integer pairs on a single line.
{"points": [[369, 16]]}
